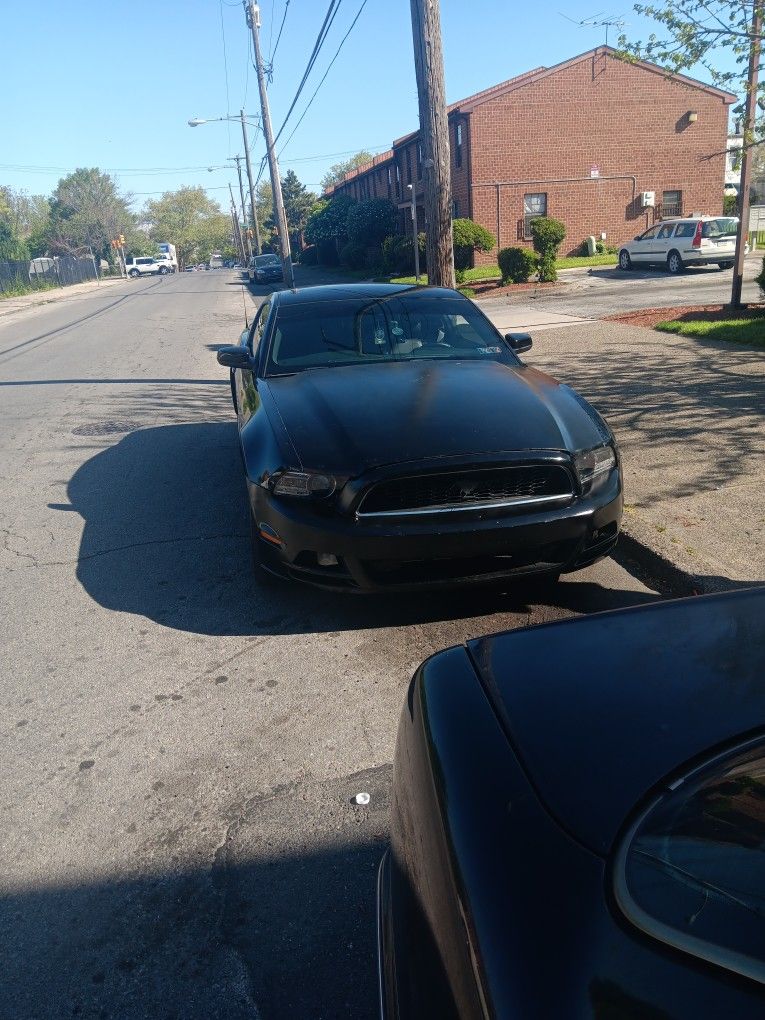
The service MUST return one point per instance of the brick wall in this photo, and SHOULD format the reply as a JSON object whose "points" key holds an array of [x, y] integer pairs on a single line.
{"points": [[600, 111]]}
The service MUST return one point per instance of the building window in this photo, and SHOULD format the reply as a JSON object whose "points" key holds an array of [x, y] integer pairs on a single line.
{"points": [[419, 161], [534, 206], [408, 166], [458, 147], [671, 203], [455, 209]]}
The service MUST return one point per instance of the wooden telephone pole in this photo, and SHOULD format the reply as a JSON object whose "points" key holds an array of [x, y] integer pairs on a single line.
{"points": [[434, 135], [750, 111], [253, 20]]}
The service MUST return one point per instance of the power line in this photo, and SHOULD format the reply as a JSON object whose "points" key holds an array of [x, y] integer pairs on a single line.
{"points": [[334, 7], [272, 54], [329, 67], [225, 69]]}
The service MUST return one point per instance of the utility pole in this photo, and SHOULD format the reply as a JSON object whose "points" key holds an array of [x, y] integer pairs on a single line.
{"points": [[750, 110], [253, 208], [238, 161], [434, 134], [416, 238], [253, 20], [237, 227]]}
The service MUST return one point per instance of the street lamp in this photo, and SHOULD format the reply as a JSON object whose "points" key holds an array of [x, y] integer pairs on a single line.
{"points": [[414, 232], [196, 121]]}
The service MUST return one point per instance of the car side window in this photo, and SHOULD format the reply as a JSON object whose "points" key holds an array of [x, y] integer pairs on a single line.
{"points": [[649, 234], [685, 230], [258, 327], [665, 231], [691, 871]]}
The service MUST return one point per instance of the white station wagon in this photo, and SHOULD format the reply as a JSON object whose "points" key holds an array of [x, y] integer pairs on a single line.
{"points": [[691, 241]]}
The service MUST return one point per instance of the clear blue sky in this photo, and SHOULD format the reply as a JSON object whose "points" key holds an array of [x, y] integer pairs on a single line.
{"points": [[113, 84]]}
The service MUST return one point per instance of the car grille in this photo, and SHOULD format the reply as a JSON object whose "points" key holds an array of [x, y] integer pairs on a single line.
{"points": [[475, 489]]}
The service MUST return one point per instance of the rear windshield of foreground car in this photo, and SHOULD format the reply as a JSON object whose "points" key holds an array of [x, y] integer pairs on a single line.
{"points": [[692, 872], [365, 330]]}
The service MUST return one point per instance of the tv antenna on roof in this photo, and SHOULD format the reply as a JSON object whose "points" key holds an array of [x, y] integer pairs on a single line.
{"points": [[598, 21]]}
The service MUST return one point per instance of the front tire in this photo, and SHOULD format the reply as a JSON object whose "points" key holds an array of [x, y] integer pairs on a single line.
{"points": [[133, 273], [725, 265], [625, 262], [163, 271], [674, 263]]}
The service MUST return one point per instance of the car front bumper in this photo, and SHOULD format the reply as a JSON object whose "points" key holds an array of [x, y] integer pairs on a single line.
{"points": [[433, 551]]}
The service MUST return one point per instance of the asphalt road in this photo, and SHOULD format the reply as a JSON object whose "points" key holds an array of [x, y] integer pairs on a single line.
{"points": [[606, 290], [180, 746]]}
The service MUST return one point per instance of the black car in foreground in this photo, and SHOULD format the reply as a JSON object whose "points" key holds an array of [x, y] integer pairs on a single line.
{"points": [[266, 269], [392, 438], [578, 822]]}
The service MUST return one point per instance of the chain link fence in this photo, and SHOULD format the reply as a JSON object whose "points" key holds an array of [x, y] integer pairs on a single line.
{"points": [[43, 273]]}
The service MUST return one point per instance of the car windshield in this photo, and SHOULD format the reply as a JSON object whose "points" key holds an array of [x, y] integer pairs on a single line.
{"points": [[266, 260], [724, 227], [400, 327]]}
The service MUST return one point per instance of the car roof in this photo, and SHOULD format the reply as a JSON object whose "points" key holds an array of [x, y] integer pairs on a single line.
{"points": [[600, 710], [344, 291]]}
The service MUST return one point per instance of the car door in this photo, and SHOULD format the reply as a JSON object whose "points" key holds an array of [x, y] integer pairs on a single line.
{"points": [[641, 248], [247, 399], [662, 243]]}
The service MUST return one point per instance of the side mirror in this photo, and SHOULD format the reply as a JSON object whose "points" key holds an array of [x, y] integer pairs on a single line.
{"points": [[520, 342], [637, 238], [234, 356]]}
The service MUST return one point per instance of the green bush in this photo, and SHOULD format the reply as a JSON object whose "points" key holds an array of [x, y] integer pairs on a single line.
{"points": [[730, 205], [547, 235], [370, 222], [516, 264], [309, 256], [760, 280], [468, 237], [398, 254], [354, 256], [467, 291]]}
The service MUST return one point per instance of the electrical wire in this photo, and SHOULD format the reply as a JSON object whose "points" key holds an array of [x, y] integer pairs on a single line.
{"points": [[334, 7], [225, 70], [329, 67], [279, 35]]}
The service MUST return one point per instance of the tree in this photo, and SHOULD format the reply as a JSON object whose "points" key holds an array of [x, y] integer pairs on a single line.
{"points": [[12, 247], [298, 203], [370, 222], [327, 226], [27, 214], [86, 212], [337, 171], [190, 220], [266, 222]]}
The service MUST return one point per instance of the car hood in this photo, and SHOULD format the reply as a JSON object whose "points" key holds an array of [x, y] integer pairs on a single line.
{"points": [[347, 420], [602, 709]]}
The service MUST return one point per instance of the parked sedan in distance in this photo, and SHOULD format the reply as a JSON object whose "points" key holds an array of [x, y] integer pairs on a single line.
{"points": [[392, 438], [578, 822], [691, 241], [266, 269]]}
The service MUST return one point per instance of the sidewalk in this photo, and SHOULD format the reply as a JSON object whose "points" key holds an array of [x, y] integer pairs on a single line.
{"points": [[689, 417], [11, 305]]}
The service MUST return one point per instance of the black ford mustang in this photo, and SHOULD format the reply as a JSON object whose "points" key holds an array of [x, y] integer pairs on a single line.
{"points": [[392, 438], [578, 822]]}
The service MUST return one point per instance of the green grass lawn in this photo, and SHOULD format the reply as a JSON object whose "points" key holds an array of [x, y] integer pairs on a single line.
{"points": [[750, 330], [486, 273]]}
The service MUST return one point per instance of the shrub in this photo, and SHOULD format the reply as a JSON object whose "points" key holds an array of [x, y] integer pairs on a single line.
{"points": [[547, 235], [760, 280], [398, 254], [467, 291], [369, 222], [730, 205], [516, 264], [353, 256], [468, 237], [309, 256]]}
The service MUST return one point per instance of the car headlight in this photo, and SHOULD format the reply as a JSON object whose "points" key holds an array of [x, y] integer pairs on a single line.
{"points": [[592, 466], [303, 484]]}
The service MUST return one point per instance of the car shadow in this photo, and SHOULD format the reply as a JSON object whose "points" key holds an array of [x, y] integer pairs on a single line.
{"points": [[166, 536], [282, 924]]}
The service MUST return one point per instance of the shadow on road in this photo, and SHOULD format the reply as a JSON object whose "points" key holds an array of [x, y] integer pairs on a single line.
{"points": [[165, 536], [271, 929]]}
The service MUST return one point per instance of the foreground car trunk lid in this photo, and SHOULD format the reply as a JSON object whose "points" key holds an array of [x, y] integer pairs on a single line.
{"points": [[601, 709]]}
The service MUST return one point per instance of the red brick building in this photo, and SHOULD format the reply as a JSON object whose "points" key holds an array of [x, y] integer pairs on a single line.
{"points": [[580, 141]]}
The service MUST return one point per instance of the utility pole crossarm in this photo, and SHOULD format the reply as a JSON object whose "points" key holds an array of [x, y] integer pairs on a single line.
{"points": [[253, 20]]}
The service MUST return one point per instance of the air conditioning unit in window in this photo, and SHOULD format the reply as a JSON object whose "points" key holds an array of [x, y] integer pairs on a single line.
{"points": [[647, 199]]}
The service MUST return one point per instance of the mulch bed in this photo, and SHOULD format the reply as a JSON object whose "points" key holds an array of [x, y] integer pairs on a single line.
{"points": [[493, 288], [687, 313]]}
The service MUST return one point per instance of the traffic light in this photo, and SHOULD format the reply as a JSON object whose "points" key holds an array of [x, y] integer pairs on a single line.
{"points": [[122, 240]]}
